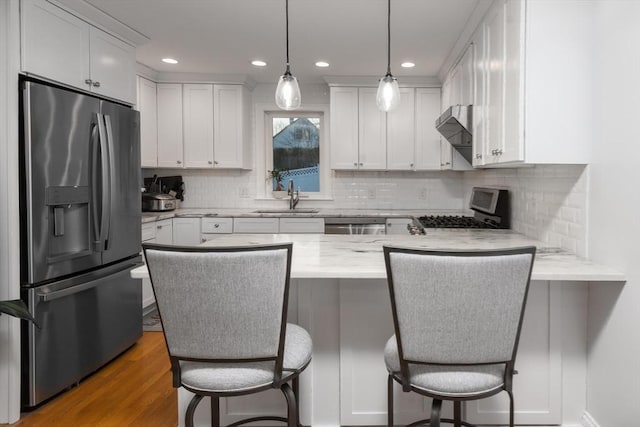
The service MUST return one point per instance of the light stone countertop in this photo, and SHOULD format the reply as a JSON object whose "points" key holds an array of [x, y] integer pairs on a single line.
{"points": [[318, 256], [322, 213]]}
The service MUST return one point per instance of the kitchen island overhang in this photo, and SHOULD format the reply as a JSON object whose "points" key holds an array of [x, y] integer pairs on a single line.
{"points": [[339, 294]]}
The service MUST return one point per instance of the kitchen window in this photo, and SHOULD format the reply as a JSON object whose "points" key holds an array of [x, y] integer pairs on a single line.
{"points": [[295, 143]]}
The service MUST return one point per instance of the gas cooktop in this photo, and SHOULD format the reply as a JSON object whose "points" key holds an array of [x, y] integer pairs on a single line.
{"points": [[453, 221]]}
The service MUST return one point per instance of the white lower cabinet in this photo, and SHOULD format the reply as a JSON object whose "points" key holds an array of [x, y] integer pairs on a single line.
{"points": [[256, 225], [350, 321], [186, 231], [302, 225], [155, 232], [214, 227]]}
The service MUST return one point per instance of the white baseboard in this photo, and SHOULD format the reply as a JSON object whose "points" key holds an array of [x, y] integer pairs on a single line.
{"points": [[588, 420]]}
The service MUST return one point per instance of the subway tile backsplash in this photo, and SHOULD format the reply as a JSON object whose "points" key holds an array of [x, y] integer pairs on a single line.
{"points": [[548, 201]]}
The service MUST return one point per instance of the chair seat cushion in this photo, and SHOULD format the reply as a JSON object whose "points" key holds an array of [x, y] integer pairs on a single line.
{"points": [[449, 380], [240, 377]]}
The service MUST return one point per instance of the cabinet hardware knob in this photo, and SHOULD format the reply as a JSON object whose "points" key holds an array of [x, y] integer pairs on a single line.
{"points": [[447, 163], [96, 84], [203, 240], [355, 163], [411, 164], [361, 164], [179, 162], [478, 156], [88, 81], [215, 162], [216, 226], [159, 227], [210, 162], [499, 152]]}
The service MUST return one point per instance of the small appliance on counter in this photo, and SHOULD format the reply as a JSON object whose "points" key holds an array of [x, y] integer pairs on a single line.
{"points": [[491, 210], [162, 193], [158, 202]]}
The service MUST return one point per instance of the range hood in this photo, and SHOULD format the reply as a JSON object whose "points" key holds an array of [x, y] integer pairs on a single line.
{"points": [[455, 125]]}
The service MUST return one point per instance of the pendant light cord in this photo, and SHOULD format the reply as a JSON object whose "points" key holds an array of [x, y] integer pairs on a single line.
{"points": [[287, 25], [388, 37]]}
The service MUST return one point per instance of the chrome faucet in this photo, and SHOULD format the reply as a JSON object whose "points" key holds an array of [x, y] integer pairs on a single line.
{"points": [[294, 196]]}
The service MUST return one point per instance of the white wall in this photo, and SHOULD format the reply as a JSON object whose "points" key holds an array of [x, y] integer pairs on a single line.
{"points": [[614, 210], [9, 223]]}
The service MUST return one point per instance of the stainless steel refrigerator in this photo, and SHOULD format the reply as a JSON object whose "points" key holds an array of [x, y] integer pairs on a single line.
{"points": [[80, 235]]}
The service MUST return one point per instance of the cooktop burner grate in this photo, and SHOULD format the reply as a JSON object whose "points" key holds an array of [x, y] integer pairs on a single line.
{"points": [[452, 221]]}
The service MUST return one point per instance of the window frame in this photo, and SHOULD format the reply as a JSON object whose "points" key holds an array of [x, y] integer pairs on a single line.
{"points": [[264, 143]]}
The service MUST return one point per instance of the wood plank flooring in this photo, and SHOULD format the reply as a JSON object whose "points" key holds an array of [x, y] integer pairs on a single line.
{"points": [[133, 390]]}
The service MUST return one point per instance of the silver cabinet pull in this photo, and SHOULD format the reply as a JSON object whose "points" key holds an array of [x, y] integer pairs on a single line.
{"points": [[88, 81], [478, 156], [361, 164], [410, 164], [179, 162], [216, 226], [215, 162], [159, 227], [210, 162], [96, 84], [355, 163]]}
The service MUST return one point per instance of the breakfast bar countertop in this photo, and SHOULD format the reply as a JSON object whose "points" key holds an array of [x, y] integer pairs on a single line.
{"points": [[360, 257]]}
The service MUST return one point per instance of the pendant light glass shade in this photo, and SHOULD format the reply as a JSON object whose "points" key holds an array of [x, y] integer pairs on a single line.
{"points": [[388, 96], [288, 92]]}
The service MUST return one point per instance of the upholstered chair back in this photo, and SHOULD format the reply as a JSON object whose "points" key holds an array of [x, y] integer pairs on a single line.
{"points": [[458, 308], [221, 303]]}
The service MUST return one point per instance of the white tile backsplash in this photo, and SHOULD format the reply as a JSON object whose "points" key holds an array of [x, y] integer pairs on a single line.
{"points": [[548, 201]]}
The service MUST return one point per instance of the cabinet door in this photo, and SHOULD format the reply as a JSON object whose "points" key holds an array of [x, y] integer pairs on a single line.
{"points": [[372, 131], [170, 125], [401, 135], [513, 141], [256, 225], [164, 232], [147, 102], [428, 148], [302, 225], [55, 44], [186, 231], [198, 125], [113, 66], [494, 26], [344, 127], [479, 106], [228, 140]]}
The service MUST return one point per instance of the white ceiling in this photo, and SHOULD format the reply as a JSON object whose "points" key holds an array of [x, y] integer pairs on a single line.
{"points": [[223, 36]]}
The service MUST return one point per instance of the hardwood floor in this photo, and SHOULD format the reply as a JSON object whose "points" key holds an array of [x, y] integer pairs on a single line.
{"points": [[133, 390]]}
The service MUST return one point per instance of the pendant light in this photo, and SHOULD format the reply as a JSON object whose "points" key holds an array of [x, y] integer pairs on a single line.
{"points": [[288, 91], [388, 96]]}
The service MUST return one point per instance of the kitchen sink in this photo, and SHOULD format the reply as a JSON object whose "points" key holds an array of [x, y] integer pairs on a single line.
{"points": [[287, 211]]}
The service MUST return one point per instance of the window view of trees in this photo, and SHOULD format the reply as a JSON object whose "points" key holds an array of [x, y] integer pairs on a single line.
{"points": [[296, 148]]}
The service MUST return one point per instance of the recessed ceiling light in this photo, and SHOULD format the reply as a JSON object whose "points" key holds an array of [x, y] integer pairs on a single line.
{"points": [[169, 60], [407, 65], [322, 64], [259, 63]]}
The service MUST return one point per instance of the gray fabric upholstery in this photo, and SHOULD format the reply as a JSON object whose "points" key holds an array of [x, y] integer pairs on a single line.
{"points": [[234, 377], [448, 381], [459, 309], [220, 304]]}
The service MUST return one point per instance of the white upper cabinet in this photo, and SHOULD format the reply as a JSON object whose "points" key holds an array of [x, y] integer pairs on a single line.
{"points": [[344, 127], [401, 132], [113, 66], [524, 84], [61, 47], [198, 125], [147, 102], [170, 141], [231, 147], [427, 145], [372, 131], [365, 138]]}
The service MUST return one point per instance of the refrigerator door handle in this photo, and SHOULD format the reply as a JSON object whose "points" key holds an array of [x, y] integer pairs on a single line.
{"points": [[45, 296], [101, 225], [110, 143]]}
